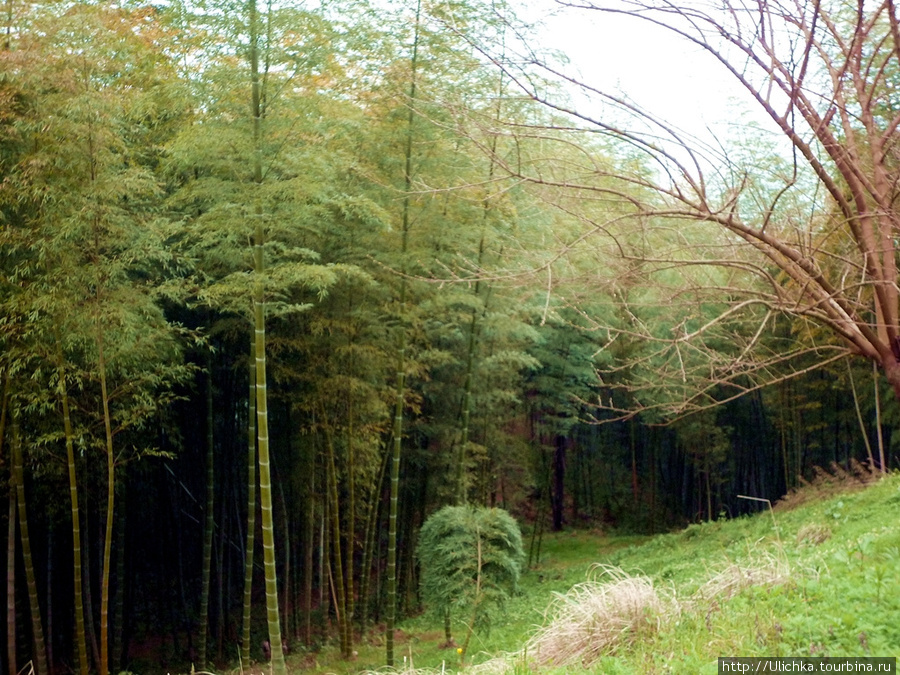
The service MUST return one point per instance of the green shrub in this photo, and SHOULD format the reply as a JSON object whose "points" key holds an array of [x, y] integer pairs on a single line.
{"points": [[471, 558]]}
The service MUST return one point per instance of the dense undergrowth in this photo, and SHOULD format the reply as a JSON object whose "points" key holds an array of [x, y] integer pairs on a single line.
{"points": [[817, 576]]}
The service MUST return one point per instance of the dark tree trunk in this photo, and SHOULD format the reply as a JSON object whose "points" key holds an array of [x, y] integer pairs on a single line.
{"points": [[559, 481], [11, 652]]}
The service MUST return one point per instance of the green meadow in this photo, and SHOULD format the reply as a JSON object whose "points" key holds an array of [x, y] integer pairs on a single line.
{"points": [[817, 575]]}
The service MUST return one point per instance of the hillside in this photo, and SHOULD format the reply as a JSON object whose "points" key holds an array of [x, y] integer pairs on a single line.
{"points": [[817, 576]]}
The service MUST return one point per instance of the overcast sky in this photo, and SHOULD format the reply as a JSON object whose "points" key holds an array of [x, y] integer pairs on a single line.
{"points": [[666, 75]]}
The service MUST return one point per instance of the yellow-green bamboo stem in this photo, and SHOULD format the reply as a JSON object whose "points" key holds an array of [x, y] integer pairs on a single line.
{"points": [[339, 588], [461, 487], [397, 431], [351, 515], [110, 509], [251, 509], [12, 665], [80, 635], [259, 322], [209, 523], [11, 657], [40, 650], [119, 615], [369, 542], [265, 487]]}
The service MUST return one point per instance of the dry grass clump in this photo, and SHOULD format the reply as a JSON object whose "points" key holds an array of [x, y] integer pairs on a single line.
{"points": [[813, 533], [771, 570], [403, 670], [500, 665], [597, 617], [827, 483]]}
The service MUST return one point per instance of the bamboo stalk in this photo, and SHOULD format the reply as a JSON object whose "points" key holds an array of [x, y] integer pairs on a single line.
{"points": [[209, 522], [262, 410], [340, 588], [40, 649], [80, 635], [110, 509], [251, 510], [397, 432]]}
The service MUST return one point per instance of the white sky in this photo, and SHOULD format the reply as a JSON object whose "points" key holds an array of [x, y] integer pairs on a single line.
{"points": [[666, 75]]}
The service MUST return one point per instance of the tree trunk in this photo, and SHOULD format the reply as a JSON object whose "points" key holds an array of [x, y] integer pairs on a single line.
{"points": [[340, 589], [89, 624], [324, 556], [634, 472], [262, 410], [286, 566], [110, 510], [559, 482], [7, 44], [49, 597], [11, 660], [11, 656], [40, 649], [351, 515], [251, 512], [209, 522], [309, 543], [461, 486], [265, 480], [397, 431], [80, 637], [654, 478], [220, 581], [878, 429], [369, 545], [118, 641]]}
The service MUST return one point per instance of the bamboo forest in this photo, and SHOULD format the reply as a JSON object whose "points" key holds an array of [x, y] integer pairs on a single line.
{"points": [[295, 293]]}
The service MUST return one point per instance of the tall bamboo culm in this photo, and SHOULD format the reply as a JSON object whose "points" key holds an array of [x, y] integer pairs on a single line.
{"points": [[209, 523], [110, 508], [397, 430], [251, 509], [340, 590], [80, 635], [11, 657], [259, 322], [40, 650]]}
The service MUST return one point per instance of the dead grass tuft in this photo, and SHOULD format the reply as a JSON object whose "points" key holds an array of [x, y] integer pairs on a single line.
{"points": [[813, 533], [500, 665], [768, 571], [598, 617], [403, 670], [827, 483]]}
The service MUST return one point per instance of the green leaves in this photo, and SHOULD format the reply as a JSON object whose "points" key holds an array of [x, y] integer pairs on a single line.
{"points": [[471, 559]]}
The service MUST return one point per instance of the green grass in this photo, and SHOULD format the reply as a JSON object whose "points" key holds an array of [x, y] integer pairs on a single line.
{"points": [[823, 579]]}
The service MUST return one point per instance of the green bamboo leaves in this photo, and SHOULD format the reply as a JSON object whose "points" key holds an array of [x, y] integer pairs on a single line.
{"points": [[471, 559]]}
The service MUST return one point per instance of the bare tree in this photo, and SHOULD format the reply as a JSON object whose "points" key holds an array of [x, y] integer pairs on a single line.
{"points": [[807, 236]]}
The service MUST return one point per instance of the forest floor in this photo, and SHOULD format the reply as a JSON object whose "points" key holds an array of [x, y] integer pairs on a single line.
{"points": [[817, 576]]}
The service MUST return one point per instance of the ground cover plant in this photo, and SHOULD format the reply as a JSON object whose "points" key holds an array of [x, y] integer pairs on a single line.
{"points": [[815, 576]]}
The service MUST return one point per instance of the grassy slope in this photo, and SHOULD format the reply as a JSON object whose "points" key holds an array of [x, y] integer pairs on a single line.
{"points": [[827, 582], [835, 592]]}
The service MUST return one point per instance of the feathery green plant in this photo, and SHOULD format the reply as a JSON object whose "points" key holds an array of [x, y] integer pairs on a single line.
{"points": [[471, 559]]}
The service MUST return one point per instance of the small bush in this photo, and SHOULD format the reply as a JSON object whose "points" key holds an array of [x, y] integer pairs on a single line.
{"points": [[471, 559]]}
